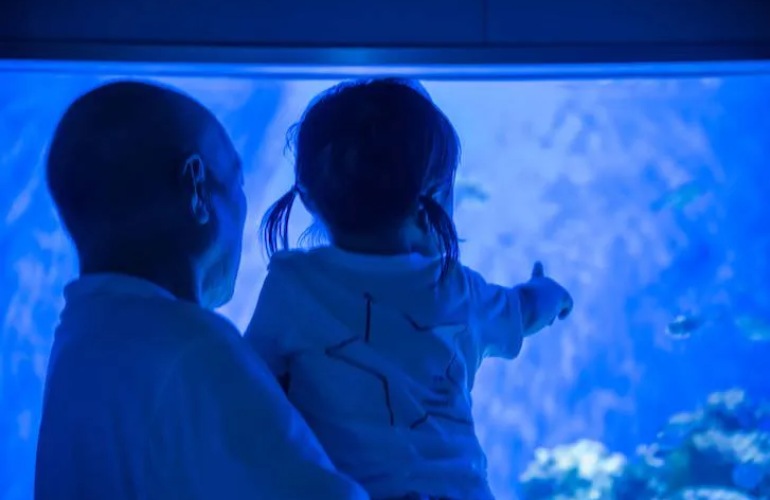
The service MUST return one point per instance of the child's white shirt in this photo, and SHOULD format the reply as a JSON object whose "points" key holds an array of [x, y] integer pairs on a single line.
{"points": [[380, 358]]}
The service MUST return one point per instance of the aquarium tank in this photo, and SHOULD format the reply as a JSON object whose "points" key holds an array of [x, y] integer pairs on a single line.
{"points": [[647, 197]]}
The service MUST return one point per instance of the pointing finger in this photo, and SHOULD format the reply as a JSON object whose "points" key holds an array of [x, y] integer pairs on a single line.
{"points": [[537, 270]]}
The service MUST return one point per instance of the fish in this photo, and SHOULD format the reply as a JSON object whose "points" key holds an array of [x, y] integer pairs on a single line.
{"points": [[679, 197], [754, 328], [683, 326], [467, 190]]}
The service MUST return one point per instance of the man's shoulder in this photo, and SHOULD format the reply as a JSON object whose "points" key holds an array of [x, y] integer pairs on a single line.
{"points": [[194, 338], [176, 346], [143, 335], [123, 359]]}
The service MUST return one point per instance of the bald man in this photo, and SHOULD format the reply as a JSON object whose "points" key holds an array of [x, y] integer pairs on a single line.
{"points": [[150, 394]]}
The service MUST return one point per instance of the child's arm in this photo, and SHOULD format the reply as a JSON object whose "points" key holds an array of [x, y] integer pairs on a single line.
{"points": [[528, 308], [505, 315], [543, 300]]}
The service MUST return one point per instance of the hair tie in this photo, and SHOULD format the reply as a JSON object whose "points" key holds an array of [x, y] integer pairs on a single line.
{"points": [[424, 199]]}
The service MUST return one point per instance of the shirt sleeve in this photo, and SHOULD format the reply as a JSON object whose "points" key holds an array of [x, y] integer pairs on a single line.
{"points": [[270, 326], [497, 315], [224, 429]]}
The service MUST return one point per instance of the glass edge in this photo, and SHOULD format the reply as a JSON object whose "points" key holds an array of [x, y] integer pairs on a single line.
{"points": [[602, 62]]}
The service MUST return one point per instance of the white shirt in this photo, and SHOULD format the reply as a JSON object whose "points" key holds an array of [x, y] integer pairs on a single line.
{"points": [[149, 397], [381, 361]]}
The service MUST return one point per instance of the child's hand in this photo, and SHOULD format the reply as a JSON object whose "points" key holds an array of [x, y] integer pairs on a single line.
{"points": [[542, 301]]}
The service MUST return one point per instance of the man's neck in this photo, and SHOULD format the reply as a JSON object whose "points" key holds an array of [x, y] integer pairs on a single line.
{"points": [[173, 275]]}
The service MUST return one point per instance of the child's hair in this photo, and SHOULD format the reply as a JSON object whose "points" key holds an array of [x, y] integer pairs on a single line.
{"points": [[368, 154]]}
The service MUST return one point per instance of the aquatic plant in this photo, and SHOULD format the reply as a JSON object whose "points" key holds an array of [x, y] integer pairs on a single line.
{"points": [[718, 451]]}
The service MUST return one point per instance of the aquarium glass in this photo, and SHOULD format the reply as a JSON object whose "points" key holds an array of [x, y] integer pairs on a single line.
{"points": [[648, 198]]}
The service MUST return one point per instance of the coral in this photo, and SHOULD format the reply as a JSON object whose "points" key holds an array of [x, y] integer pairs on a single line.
{"points": [[584, 470], [709, 494], [719, 451]]}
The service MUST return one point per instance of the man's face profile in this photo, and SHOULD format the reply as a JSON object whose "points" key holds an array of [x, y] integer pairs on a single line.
{"points": [[227, 202]]}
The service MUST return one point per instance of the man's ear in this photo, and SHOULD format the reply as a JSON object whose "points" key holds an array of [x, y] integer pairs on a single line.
{"points": [[194, 176]]}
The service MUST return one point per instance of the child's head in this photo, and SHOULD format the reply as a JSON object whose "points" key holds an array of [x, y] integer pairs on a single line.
{"points": [[373, 157]]}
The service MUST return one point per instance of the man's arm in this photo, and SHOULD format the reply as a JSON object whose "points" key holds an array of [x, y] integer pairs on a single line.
{"points": [[224, 429]]}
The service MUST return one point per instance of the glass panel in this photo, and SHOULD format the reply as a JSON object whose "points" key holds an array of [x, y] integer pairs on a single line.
{"points": [[646, 197]]}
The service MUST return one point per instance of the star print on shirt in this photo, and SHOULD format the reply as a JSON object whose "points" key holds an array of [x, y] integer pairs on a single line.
{"points": [[445, 389]]}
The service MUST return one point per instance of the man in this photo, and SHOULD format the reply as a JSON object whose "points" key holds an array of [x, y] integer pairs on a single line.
{"points": [[150, 394]]}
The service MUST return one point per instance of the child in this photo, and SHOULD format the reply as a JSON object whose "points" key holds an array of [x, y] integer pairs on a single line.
{"points": [[377, 337]]}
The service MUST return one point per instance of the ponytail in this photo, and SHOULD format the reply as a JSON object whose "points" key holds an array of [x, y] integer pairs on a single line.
{"points": [[275, 224], [443, 228]]}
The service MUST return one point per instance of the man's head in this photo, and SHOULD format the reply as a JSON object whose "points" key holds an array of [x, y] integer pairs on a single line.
{"points": [[147, 182]]}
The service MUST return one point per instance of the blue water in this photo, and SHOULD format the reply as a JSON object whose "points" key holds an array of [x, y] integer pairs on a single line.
{"points": [[649, 199]]}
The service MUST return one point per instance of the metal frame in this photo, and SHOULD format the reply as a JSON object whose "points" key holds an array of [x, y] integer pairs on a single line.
{"points": [[467, 63]]}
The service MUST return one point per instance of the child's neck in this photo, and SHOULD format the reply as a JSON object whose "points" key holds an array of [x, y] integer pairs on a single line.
{"points": [[373, 244], [397, 242]]}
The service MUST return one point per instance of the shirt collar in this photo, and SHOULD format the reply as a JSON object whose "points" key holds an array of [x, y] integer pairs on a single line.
{"points": [[114, 284]]}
